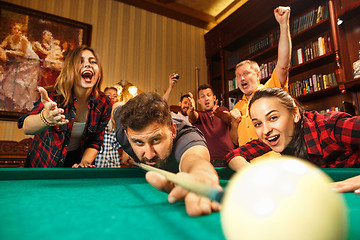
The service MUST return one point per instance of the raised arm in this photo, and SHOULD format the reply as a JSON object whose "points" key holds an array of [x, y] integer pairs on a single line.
{"points": [[192, 114], [282, 16], [173, 79]]}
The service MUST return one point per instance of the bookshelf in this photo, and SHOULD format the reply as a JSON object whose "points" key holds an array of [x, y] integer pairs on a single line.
{"points": [[321, 75]]}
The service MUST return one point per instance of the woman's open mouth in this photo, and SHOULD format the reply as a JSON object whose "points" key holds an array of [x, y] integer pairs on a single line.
{"points": [[273, 140], [87, 75]]}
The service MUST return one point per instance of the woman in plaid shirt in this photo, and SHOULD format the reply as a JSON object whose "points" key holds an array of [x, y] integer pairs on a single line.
{"points": [[69, 119], [328, 140]]}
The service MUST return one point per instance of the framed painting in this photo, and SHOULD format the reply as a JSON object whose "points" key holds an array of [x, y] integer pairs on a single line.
{"points": [[33, 46]]}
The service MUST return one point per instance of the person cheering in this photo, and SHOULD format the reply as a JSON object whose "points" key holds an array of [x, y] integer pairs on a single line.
{"points": [[69, 119]]}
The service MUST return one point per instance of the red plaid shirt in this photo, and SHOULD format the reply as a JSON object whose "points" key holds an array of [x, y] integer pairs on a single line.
{"points": [[49, 147], [332, 140]]}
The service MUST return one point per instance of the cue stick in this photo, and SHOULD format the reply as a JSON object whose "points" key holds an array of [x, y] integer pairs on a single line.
{"points": [[187, 183]]}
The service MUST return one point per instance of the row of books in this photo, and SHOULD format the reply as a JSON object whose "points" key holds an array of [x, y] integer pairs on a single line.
{"points": [[232, 84], [298, 25], [310, 18], [311, 50], [266, 69], [264, 43], [336, 109], [232, 102], [314, 83]]}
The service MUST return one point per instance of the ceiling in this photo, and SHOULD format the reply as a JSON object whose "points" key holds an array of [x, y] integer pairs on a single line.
{"points": [[201, 13]]}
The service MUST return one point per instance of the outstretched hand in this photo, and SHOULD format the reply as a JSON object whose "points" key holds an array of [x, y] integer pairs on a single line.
{"points": [[195, 204], [52, 114], [347, 185], [191, 102], [282, 14]]}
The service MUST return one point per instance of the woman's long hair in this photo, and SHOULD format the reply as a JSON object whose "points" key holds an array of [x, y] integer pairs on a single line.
{"points": [[297, 146], [70, 74]]}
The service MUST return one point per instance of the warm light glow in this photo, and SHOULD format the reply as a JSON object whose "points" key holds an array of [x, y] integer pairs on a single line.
{"points": [[127, 90], [133, 90], [119, 89], [339, 21]]}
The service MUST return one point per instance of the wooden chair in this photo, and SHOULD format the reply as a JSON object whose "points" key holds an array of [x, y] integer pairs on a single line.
{"points": [[13, 154], [175, 108]]}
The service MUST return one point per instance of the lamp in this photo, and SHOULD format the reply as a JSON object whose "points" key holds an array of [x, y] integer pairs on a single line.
{"points": [[128, 90]]}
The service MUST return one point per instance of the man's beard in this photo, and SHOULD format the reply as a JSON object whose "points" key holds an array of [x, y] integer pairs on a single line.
{"points": [[184, 111], [160, 162]]}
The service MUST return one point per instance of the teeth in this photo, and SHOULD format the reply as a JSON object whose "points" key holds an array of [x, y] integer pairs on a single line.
{"points": [[272, 138]]}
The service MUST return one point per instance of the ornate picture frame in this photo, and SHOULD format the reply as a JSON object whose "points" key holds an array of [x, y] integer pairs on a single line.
{"points": [[33, 45]]}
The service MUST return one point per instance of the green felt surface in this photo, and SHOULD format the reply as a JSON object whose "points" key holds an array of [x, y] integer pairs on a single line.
{"points": [[108, 204]]}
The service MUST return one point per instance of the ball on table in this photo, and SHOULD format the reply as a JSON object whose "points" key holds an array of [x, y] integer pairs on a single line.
{"points": [[283, 198]]}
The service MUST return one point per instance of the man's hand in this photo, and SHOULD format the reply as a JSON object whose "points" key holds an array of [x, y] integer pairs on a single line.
{"points": [[173, 79], [52, 114], [195, 204], [282, 15], [223, 115], [347, 185], [191, 102], [235, 116], [125, 159]]}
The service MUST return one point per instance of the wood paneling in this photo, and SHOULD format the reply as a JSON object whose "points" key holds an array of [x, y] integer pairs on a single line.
{"points": [[133, 44]]}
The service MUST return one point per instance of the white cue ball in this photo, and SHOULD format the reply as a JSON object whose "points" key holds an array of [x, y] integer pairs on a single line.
{"points": [[283, 198]]}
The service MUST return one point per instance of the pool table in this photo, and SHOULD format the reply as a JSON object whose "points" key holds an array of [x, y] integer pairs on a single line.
{"points": [[110, 204]]}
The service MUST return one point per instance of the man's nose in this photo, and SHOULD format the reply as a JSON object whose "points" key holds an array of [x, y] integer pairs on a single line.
{"points": [[149, 151]]}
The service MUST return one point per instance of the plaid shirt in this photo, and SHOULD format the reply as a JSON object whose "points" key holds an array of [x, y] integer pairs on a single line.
{"points": [[332, 140], [49, 147], [108, 156]]}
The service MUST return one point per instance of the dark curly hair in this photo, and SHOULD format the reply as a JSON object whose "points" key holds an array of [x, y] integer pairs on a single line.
{"points": [[297, 145], [143, 110]]}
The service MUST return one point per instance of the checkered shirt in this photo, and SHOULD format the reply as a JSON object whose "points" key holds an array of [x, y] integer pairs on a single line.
{"points": [[108, 156]]}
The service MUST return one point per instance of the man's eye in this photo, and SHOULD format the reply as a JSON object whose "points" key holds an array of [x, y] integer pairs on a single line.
{"points": [[155, 140], [137, 142]]}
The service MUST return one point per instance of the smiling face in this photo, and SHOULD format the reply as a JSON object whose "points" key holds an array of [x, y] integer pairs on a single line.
{"points": [[206, 99], [274, 123], [247, 79], [184, 105], [16, 29], [152, 144], [112, 94], [89, 70]]}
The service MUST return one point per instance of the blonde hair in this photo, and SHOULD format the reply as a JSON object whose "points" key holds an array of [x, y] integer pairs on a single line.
{"points": [[253, 65], [70, 74]]}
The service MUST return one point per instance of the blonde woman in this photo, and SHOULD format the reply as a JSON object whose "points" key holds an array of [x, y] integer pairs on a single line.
{"points": [[69, 119]]}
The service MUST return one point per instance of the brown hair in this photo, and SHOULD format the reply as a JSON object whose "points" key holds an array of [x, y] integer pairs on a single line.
{"points": [[297, 146], [143, 110], [205, 86]]}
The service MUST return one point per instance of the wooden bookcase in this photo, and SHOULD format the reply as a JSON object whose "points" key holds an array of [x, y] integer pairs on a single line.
{"points": [[252, 33]]}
